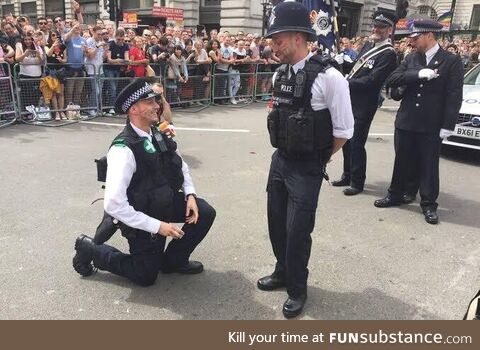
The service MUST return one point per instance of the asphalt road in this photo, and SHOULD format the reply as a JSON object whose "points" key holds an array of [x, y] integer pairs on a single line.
{"points": [[366, 263]]}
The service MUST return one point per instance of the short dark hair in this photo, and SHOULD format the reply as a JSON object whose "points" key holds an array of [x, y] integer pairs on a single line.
{"points": [[163, 41]]}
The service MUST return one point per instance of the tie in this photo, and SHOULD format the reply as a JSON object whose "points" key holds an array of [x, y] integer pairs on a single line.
{"points": [[423, 59], [291, 72]]}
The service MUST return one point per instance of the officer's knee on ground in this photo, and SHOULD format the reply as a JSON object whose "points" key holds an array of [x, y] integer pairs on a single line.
{"points": [[146, 279]]}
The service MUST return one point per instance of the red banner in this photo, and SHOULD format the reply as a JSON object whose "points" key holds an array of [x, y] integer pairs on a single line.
{"points": [[170, 13]]}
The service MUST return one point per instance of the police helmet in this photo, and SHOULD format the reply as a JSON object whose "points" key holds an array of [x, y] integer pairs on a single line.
{"points": [[290, 17]]}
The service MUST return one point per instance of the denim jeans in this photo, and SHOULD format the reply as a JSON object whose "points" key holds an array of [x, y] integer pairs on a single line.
{"points": [[111, 86]]}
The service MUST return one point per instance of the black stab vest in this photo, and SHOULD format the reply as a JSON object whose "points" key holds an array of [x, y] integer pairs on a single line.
{"points": [[295, 128], [157, 177]]}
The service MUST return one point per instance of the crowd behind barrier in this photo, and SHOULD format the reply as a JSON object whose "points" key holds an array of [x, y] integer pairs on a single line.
{"points": [[61, 96], [59, 70]]}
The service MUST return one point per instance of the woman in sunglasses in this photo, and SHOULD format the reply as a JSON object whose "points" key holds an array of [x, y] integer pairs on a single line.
{"points": [[56, 58]]}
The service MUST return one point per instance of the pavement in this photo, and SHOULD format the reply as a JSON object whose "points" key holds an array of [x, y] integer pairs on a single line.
{"points": [[366, 263]]}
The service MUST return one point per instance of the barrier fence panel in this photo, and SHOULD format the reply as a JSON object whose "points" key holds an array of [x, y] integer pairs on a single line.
{"points": [[235, 85], [62, 95], [195, 91], [8, 113], [263, 82]]}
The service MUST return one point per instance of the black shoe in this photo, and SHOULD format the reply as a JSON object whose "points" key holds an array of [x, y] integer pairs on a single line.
{"points": [[408, 198], [270, 282], [351, 191], [82, 261], [342, 182], [386, 202], [294, 306], [431, 216], [190, 268]]}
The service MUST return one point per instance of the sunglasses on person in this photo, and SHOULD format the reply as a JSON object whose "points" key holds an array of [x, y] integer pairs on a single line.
{"points": [[53, 35], [58, 20], [42, 23]]}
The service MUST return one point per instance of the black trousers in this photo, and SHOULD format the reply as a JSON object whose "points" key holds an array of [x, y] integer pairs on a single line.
{"points": [[416, 152], [293, 188], [355, 155], [148, 255], [412, 181]]}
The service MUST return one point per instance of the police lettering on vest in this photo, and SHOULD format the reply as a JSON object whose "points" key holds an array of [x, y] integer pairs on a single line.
{"points": [[294, 127]]}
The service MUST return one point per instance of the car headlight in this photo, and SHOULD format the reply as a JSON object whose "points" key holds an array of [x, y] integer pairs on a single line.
{"points": [[475, 121]]}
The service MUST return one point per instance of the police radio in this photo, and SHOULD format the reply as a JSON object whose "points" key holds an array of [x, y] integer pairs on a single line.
{"points": [[160, 141], [300, 82]]}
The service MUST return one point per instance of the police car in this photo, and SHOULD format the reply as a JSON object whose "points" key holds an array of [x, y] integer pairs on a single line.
{"points": [[467, 130]]}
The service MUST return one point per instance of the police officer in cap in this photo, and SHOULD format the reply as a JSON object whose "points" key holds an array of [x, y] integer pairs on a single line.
{"points": [[148, 188], [367, 74], [431, 81], [311, 119]]}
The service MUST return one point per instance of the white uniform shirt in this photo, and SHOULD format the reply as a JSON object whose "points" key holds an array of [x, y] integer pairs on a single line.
{"points": [[121, 167], [430, 53], [330, 90]]}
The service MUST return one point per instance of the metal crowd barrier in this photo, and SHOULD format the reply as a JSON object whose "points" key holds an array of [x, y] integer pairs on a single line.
{"points": [[63, 95], [82, 96], [8, 113], [196, 92]]}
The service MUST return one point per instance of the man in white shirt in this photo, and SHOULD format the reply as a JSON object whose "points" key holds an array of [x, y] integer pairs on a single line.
{"points": [[311, 119], [148, 188]]}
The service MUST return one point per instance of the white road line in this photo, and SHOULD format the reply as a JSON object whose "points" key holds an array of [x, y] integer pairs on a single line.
{"points": [[374, 134], [391, 108], [177, 128]]}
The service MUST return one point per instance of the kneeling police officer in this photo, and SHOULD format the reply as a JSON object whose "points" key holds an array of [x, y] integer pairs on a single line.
{"points": [[311, 119], [148, 187]]}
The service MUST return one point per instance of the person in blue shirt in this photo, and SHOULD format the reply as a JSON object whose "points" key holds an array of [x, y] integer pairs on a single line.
{"points": [[76, 48]]}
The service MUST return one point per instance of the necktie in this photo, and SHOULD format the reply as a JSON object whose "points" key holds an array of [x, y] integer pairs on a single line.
{"points": [[292, 72], [423, 59]]}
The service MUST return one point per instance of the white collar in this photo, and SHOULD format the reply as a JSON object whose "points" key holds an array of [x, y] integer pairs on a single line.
{"points": [[300, 64], [141, 133], [386, 41], [430, 53]]}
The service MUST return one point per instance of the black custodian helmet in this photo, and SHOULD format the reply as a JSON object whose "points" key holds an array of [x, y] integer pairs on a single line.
{"points": [[290, 17]]}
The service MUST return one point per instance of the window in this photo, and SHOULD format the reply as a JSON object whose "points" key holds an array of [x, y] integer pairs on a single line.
{"points": [[428, 11], [7, 9], [29, 9], [475, 21], [54, 8], [211, 3]]}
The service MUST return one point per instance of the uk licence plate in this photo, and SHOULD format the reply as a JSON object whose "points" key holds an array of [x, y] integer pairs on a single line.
{"points": [[466, 131]]}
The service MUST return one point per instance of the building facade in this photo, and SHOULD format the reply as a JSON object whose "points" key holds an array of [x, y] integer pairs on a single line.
{"points": [[246, 15]]}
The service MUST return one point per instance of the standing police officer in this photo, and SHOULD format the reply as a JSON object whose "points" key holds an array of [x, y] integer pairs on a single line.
{"points": [[148, 186], [432, 81], [375, 62], [311, 119]]}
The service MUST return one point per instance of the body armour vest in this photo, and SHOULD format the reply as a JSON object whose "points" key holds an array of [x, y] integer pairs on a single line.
{"points": [[295, 128], [157, 177]]}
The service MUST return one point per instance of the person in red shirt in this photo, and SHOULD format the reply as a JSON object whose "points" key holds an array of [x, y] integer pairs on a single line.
{"points": [[137, 58]]}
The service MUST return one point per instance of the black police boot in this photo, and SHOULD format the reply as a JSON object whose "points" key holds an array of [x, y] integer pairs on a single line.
{"points": [[387, 202], [352, 191], [82, 261], [431, 216], [270, 282], [344, 181], [190, 268], [294, 306], [408, 198]]}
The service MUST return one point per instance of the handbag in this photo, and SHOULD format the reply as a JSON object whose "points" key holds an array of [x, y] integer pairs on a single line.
{"points": [[73, 111], [149, 72]]}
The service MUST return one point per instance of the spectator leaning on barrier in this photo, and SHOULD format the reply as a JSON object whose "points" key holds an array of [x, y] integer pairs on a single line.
{"points": [[43, 27], [137, 58], [177, 73], [159, 54], [227, 60], [239, 67], [56, 58], [117, 57], [95, 56], [31, 59], [76, 48], [13, 37], [203, 69]]}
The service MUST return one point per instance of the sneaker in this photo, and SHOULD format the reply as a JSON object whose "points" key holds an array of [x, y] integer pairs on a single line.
{"points": [[233, 101], [111, 111], [266, 98], [92, 113]]}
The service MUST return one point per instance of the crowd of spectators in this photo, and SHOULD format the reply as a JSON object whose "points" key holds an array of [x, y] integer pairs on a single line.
{"points": [[67, 48]]}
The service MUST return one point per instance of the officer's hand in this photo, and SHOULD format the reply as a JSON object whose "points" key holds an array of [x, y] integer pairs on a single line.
{"points": [[444, 133], [170, 230], [340, 58], [192, 211], [427, 74]]}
